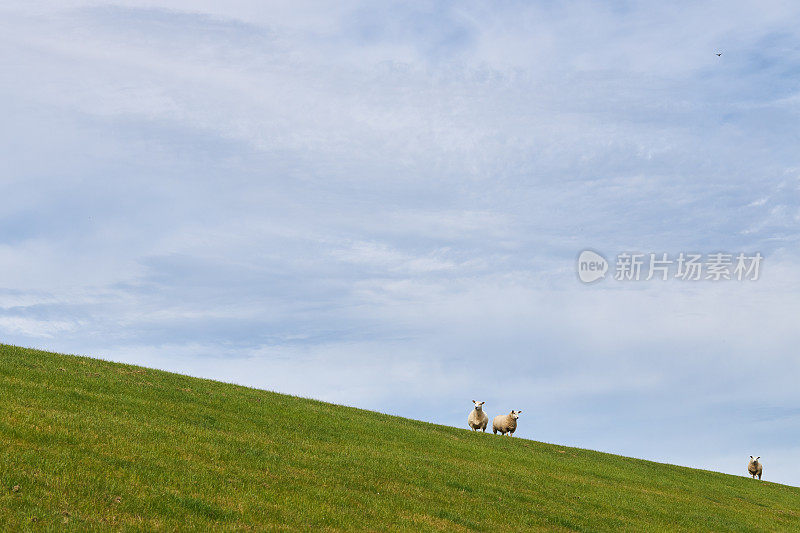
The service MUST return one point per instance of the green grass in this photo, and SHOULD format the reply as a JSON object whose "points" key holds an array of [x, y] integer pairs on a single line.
{"points": [[98, 445]]}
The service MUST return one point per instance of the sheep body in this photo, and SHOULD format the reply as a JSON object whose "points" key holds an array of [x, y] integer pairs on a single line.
{"points": [[477, 419], [506, 424], [754, 467]]}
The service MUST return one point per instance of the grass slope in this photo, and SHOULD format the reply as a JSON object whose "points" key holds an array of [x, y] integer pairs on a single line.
{"points": [[98, 445]]}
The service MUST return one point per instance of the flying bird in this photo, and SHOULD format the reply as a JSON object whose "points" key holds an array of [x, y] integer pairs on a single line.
{"points": [[719, 54]]}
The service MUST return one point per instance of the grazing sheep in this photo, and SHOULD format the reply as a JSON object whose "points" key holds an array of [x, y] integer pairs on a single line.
{"points": [[506, 424], [477, 418], [754, 467]]}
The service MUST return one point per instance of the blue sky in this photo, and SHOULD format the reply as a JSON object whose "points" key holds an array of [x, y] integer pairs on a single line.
{"points": [[381, 205]]}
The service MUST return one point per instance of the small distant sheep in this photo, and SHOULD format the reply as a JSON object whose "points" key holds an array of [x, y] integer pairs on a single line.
{"points": [[506, 424], [477, 418], [754, 467]]}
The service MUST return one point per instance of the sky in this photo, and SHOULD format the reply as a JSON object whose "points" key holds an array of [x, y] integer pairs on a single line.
{"points": [[381, 205]]}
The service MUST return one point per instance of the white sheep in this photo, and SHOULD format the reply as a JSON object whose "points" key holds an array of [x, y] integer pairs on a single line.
{"points": [[506, 424], [477, 418], [754, 467]]}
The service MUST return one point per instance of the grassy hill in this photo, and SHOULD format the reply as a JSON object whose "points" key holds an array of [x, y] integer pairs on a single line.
{"points": [[98, 445]]}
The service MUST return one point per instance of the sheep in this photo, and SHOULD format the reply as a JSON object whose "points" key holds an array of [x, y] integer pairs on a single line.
{"points": [[754, 467], [506, 424], [477, 418]]}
